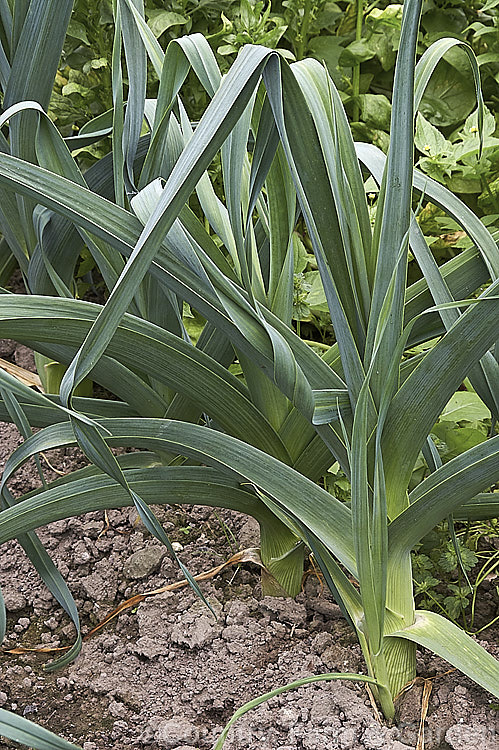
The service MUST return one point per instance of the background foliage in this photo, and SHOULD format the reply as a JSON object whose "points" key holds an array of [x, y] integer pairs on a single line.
{"points": [[328, 31]]}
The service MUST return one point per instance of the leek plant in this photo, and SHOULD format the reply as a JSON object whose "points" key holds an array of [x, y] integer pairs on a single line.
{"points": [[260, 444]]}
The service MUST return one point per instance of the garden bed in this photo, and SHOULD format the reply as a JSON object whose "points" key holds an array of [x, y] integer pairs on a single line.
{"points": [[167, 674]]}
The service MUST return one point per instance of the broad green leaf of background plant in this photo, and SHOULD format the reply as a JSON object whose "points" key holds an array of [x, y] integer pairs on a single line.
{"points": [[464, 405]]}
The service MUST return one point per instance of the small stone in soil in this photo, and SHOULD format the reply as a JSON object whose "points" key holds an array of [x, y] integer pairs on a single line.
{"points": [[31, 708], [170, 733], [14, 601], [144, 562], [461, 737], [7, 347]]}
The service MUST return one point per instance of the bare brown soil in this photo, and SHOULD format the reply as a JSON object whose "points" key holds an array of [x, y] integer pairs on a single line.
{"points": [[169, 675]]}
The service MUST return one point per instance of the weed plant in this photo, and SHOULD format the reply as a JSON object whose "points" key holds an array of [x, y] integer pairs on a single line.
{"points": [[260, 444]]}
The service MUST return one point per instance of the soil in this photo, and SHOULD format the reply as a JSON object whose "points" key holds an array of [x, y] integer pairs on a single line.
{"points": [[168, 674]]}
